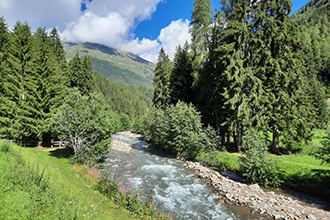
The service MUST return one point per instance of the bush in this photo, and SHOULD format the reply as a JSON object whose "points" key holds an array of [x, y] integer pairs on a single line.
{"points": [[178, 130], [323, 152], [254, 163], [5, 147], [128, 200]]}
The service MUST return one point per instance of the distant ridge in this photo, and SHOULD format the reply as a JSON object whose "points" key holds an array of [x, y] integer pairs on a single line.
{"points": [[114, 64], [312, 4]]}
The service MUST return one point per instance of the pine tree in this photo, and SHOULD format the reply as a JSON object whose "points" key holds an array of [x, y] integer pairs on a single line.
{"points": [[211, 84], [200, 32], [58, 49], [23, 82], [161, 96], [8, 106], [181, 79], [280, 63], [50, 84], [80, 74]]}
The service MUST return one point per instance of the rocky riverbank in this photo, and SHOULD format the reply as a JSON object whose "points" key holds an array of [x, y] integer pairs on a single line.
{"points": [[265, 203], [268, 204]]}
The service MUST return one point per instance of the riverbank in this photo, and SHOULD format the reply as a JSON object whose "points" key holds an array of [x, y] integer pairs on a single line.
{"points": [[268, 204]]}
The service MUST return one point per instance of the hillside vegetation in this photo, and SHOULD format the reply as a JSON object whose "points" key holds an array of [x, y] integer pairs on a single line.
{"points": [[116, 65]]}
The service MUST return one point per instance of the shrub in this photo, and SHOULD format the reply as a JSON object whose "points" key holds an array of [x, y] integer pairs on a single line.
{"points": [[323, 152], [5, 147], [254, 163], [178, 130]]}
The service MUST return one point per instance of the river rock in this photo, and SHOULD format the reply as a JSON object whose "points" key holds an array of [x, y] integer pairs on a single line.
{"points": [[266, 203]]}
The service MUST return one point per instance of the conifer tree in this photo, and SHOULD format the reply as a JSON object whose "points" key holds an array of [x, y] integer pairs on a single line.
{"points": [[211, 84], [58, 49], [50, 84], [80, 74], [23, 82], [181, 79], [280, 63], [161, 96], [7, 106], [200, 32]]}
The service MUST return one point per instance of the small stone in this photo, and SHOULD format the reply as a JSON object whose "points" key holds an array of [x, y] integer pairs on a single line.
{"points": [[221, 201], [310, 216], [255, 187]]}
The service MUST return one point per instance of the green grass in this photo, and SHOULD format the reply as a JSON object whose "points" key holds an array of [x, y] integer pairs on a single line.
{"points": [[38, 184]]}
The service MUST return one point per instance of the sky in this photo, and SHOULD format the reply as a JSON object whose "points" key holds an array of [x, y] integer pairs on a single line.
{"points": [[141, 27]]}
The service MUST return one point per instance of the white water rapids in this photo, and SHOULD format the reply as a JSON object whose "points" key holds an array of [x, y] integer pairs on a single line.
{"points": [[173, 189]]}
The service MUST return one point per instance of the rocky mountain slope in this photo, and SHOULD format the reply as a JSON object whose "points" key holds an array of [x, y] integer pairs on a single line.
{"points": [[116, 65]]}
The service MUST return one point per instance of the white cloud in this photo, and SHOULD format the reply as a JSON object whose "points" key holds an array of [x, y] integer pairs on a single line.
{"points": [[176, 33], [138, 46]]}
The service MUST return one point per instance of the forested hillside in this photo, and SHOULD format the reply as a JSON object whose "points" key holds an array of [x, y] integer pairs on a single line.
{"points": [[116, 65], [314, 19]]}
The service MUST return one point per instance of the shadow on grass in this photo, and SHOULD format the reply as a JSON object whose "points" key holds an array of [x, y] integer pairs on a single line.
{"points": [[313, 189], [62, 152]]}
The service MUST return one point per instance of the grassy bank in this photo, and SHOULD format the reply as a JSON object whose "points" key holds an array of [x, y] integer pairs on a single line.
{"points": [[300, 171], [37, 184]]}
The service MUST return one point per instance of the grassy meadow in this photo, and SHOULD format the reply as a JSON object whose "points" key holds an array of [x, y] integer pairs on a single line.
{"points": [[39, 184]]}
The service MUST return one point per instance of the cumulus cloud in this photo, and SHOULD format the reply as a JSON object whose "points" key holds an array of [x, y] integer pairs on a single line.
{"points": [[176, 33], [108, 22]]}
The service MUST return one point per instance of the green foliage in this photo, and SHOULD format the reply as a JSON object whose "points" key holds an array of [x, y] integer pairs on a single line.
{"points": [[161, 97], [255, 165], [84, 121], [128, 200], [178, 130], [122, 98], [323, 152], [80, 74], [181, 79]]}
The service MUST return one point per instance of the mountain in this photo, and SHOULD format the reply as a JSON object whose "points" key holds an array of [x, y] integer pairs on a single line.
{"points": [[116, 65], [314, 21], [314, 5]]}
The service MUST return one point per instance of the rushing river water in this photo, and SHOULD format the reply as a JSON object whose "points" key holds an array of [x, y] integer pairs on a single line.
{"points": [[173, 189]]}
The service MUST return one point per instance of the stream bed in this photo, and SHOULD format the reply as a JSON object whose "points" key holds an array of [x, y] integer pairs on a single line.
{"points": [[173, 189]]}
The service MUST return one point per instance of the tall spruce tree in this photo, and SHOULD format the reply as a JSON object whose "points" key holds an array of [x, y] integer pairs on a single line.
{"points": [[8, 106], [161, 96], [80, 74], [50, 84], [23, 82], [58, 49], [280, 63], [181, 79], [200, 32], [211, 84]]}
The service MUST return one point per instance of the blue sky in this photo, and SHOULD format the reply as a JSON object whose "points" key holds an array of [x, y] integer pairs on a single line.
{"points": [[138, 26], [170, 10]]}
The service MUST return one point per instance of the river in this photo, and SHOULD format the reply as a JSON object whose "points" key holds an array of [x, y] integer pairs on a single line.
{"points": [[173, 189]]}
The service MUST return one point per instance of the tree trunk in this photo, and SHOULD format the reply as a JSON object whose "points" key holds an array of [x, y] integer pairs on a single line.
{"points": [[275, 146], [40, 142]]}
